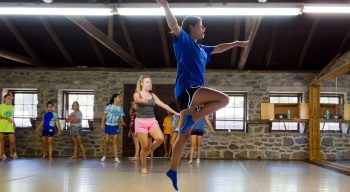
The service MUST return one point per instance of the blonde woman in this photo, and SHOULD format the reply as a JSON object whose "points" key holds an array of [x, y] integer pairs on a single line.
{"points": [[76, 130], [145, 122]]}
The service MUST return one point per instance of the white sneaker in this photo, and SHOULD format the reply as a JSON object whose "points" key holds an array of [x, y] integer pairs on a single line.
{"points": [[116, 160], [198, 161], [189, 162], [103, 158], [14, 155], [4, 157]]}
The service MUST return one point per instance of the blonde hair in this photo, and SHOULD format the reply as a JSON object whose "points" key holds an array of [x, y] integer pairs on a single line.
{"points": [[138, 84]]}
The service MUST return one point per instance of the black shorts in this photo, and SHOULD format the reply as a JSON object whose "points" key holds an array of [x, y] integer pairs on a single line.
{"points": [[199, 133], [48, 133], [7, 133], [186, 97]]}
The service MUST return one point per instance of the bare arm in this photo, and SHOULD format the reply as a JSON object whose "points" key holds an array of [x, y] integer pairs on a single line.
{"points": [[227, 46], [207, 121], [164, 106], [139, 99], [40, 126], [122, 121], [170, 18], [58, 124], [103, 119]]}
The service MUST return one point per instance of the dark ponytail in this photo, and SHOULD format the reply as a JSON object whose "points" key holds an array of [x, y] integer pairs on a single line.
{"points": [[190, 21], [111, 101]]}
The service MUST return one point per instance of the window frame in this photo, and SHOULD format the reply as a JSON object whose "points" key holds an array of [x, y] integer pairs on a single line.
{"points": [[66, 108], [341, 97], [245, 113], [299, 100], [15, 91], [298, 95]]}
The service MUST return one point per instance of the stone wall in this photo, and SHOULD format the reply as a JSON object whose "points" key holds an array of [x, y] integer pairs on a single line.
{"points": [[256, 143]]}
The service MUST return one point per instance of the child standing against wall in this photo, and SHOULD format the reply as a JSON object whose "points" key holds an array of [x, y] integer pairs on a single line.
{"points": [[76, 130], [49, 125], [7, 127], [109, 123]]}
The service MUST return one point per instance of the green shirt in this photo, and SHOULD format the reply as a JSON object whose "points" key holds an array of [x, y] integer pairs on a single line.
{"points": [[5, 125]]}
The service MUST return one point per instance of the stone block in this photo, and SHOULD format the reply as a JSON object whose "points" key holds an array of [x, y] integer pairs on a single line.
{"points": [[288, 142]]}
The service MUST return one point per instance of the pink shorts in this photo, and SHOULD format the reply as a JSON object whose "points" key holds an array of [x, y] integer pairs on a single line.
{"points": [[144, 125]]}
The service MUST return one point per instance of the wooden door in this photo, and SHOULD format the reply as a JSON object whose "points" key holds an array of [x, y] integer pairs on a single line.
{"points": [[165, 93]]}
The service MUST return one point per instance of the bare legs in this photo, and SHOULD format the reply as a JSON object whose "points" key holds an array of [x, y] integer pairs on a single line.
{"points": [[166, 144], [137, 147], [77, 141], [211, 100], [196, 141], [46, 141], [146, 147]]}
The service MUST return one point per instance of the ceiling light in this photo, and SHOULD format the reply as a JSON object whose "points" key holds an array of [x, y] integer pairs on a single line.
{"points": [[332, 9], [209, 11], [55, 11]]}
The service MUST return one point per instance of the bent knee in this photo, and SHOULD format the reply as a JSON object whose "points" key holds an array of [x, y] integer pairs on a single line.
{"points": [[225, 99]]}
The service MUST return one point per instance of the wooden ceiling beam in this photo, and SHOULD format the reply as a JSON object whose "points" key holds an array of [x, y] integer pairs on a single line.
{"points": [[57, 41], [342, 64], [308, 42], [18, 58], [269, 51], [127, 37], [22, 41], [90, 29], [164, 40], [97, 50], [344, 41], [252, 26], [236, 37]]}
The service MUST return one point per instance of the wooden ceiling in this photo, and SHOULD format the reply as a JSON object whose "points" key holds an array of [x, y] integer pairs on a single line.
{"points": [[304, 42]]}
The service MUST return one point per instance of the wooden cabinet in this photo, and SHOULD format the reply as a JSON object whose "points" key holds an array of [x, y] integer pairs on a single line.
{"points": [[297, 110], [342, 110], [346, 112]]}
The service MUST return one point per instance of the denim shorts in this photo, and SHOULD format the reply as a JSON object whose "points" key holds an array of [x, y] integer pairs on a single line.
{"points": [[75, 130]]}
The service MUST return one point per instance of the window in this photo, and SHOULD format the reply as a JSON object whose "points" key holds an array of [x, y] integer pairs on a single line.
{"points": [[234, 115], [285, 98], [331, 98], [25, 103], [330, 102], [86, 104]]}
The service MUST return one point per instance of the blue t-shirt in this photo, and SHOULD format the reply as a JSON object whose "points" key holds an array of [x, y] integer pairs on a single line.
{"points": [[199, 126], [113, 113], [50, 119], [191, 61]]}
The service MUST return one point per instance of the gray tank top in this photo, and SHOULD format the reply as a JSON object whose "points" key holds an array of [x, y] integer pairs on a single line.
{"points": [[146, 110]]}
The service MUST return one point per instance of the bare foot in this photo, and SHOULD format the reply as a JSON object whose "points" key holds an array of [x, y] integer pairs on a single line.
{"points": [[44, 156], [84, 157], [50, 158], [144, 171]]}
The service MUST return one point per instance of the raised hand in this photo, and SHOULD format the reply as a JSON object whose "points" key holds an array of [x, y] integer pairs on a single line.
{"points": [[242, 43], [161, 2]]}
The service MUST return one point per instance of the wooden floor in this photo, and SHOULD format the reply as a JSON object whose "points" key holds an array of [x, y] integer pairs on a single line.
{"points": [[61, 175]]}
